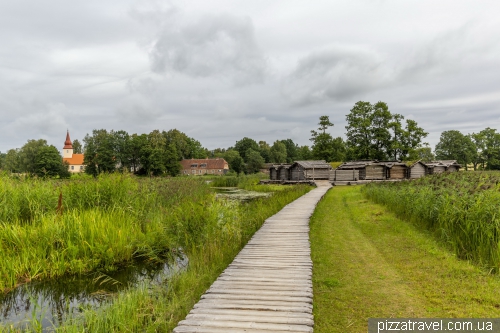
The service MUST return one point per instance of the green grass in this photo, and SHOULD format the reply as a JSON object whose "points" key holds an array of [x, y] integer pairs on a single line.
{"points": [[160, 309], [461, 209], [101, 224], [369, 263], [109, 221]]}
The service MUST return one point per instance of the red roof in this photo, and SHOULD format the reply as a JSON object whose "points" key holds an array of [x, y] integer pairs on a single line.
{"points": [[77, 159], [68, 144], [213, 163]]}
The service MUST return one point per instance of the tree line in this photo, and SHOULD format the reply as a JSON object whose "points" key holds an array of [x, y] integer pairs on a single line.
{"points": [[372, 132], [481, 150], [156, 153], [36, 157]]}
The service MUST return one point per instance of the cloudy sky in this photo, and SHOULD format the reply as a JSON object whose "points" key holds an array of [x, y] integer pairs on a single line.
{"points": [[221, 70]]}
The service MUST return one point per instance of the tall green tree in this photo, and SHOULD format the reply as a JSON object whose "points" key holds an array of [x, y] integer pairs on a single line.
{"points": [[13, 161], [453, 145], [278, 152], [423, 153], [359, 136], [304, 153], [99, 154], [135, 151], [490, 148], [185, 146], [243, 145], [381, 119], [291, 150], [77, 147], [265, 151], [325, 147], [28, 155], [122, 149], [2, 160], [48, 163], [254, 161], [172, 164], [234, 160], [373, 132]]}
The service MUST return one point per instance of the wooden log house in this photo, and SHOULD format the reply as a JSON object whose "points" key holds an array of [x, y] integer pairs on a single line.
{"points": [[359, 166], [442, 166], [417, 170], [284, 172], [396, 170], [310, 170]]}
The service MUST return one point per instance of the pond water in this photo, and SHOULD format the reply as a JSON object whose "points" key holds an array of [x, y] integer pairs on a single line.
{"points": [[50, 302], [235, 193]]}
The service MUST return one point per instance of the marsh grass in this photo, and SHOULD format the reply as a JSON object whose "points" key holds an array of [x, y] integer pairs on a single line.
{"points": [[461, 209], [109, 221], [103, 223], [160, 308]]}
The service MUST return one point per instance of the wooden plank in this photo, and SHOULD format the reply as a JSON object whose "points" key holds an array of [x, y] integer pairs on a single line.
{"points": [[268, 305], [209, 329], [242, 312], [268, 287], [257, 292], [256, 318], [263, 286], [240, 324]]}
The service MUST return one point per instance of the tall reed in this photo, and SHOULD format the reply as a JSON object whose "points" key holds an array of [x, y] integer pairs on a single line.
{"points": [[168, 214], [462, 209], [102, 223]]}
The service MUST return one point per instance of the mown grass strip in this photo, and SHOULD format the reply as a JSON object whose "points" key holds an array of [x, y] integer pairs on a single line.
{"points": [[459, 208], [368, 263]]}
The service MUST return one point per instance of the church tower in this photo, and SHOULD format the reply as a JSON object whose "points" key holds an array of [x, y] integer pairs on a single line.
{"points": [[68, 147]]}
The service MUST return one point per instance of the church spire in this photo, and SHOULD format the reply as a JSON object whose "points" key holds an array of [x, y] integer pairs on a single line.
{"points": [[68, 144]]}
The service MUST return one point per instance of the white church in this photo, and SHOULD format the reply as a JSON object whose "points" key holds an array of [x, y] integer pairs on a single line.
{"points": [[75, 161]]}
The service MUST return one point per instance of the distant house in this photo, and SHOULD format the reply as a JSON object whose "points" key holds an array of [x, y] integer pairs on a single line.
{"points": [[372, 170], [396, 170], [74, 161], [213, 166], [310, 170], [266, 168], [417, 169], [442, 166], [279, 172], [359, 166]]}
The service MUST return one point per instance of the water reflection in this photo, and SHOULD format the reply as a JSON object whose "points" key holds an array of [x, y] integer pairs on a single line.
{"points": [[235, 193], [50, 302]]}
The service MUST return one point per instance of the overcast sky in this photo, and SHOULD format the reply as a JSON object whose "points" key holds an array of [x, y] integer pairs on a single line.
{"points": [[221, 70]]}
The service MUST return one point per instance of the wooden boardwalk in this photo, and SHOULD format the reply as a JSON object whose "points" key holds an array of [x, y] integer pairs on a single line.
{"points": [[268, 287]]}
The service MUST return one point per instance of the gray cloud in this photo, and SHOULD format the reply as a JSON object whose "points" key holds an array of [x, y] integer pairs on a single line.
{"points": [[265, 70], [337, 73], [222, 46]]}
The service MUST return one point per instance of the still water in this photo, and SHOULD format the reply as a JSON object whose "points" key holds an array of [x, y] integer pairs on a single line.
{"points": [[51, 302], [235, 193]]}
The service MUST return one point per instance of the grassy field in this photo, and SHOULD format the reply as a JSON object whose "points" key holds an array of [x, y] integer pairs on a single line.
{"points": [[107, 222], [369, 263]]}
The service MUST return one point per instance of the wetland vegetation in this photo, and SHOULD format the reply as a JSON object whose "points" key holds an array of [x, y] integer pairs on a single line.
{"points": [[461, 209], [58, 228]]}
